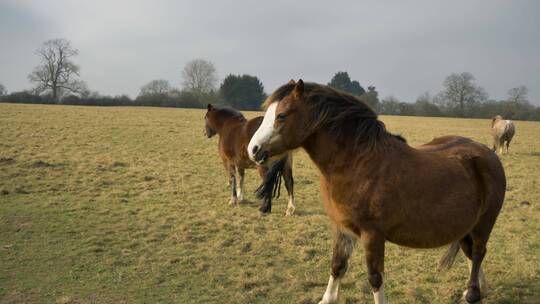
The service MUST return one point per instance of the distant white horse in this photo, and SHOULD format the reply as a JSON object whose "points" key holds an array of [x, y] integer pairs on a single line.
{"points": [[502, 131]]}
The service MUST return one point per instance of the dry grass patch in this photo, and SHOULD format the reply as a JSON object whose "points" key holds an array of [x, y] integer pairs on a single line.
{"points": [[129, 205]]}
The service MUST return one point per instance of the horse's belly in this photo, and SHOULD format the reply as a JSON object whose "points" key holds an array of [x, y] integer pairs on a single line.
{"points": [[432, 232], [423, 242]]}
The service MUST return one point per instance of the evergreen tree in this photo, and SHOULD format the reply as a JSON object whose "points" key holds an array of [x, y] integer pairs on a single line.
{"points": [[244, 92], [342, 81]]}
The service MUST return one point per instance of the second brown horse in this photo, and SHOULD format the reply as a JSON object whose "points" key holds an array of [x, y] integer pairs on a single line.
{"points": [[235, 132]]}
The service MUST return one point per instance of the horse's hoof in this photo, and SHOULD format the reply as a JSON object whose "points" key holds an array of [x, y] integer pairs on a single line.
{"points": [[289, 212], [265, 209], [233, 202], [472, 295], [264, 212]]}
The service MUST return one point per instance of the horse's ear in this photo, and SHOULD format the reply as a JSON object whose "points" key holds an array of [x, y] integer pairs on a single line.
{"points": [[291, 81], [210, 107], [299, 89]]}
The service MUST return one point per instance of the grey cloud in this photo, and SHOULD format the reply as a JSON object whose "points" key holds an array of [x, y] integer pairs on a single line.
{"points": [[403, 48]]}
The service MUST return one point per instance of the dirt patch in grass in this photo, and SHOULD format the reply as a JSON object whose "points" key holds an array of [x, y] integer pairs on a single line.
{"points": [[42, 164], [4, 161]]}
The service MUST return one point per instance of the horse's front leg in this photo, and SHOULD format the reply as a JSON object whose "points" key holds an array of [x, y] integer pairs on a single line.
{"points": [[289, 184], [240, 184], [232, 183], [343, 247], [374, 250], [501, 146]]}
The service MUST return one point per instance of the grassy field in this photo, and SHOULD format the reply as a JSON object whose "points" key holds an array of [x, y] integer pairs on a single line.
{"points": [[129, 205]]}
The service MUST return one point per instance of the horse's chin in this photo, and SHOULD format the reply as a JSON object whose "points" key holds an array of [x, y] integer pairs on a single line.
{"points": [[260, 157], [266, 157]]}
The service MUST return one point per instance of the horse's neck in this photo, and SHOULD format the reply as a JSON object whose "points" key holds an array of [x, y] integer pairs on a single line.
{"points": [[226, 122], [335, 159]]}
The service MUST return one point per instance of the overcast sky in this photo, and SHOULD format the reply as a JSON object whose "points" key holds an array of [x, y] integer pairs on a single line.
{"points": [[404, 48]]}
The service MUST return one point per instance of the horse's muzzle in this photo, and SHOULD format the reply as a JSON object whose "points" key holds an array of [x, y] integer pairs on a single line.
{"points": [[209, 132]]}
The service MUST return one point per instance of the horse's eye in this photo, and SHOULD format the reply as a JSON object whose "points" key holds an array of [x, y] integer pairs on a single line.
{"points": [[281, 116]]}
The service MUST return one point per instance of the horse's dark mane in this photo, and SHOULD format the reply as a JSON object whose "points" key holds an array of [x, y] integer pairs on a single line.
{"points": [[231, 112], [347, 117]]}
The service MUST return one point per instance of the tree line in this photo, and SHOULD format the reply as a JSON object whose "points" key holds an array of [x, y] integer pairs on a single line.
{"points": [[461, 97], [57, 81]]}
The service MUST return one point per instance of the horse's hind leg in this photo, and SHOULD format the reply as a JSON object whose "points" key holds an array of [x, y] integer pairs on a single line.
{"points": [[343, 247], [508, 144], [466, 245], [475, 249], [478, 252], [289, 184]]}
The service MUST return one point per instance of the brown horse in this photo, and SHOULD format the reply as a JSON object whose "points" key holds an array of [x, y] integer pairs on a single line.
{"points": [[502, 131], [235, 132], [376, 188]]}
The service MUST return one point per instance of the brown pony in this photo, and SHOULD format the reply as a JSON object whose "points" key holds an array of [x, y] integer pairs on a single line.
{"points": [[376, 188], [235, 132], [502, 131]]}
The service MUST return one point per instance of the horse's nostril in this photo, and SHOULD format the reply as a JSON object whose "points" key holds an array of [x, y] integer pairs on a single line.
{"points": [[255, 149]]}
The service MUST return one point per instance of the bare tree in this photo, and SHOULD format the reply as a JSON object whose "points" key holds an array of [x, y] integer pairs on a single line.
{"points": [[518, 94], [3, 90], [424, 98], [57, 72], [460, 90], [156, 88], [390, 106], [199, 76]]}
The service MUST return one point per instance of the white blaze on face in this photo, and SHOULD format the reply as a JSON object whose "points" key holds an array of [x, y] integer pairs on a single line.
{"points": [[265, 131]]}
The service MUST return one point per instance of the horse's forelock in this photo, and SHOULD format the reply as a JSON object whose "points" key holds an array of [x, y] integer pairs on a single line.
{"points": [[278, 95]]}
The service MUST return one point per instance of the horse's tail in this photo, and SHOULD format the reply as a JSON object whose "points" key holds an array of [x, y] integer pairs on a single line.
{"points": [[271, 185], [449, 256]]}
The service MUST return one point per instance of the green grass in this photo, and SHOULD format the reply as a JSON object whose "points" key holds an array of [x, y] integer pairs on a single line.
{"points": [[129, 205]]}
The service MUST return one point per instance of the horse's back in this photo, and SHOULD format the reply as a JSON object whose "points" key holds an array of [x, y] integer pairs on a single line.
{"points": [[461, 148], [453, 146]]}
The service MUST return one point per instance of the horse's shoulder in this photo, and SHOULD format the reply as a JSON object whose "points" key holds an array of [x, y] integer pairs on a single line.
{"points": [[256, 121], [253, 124]]}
